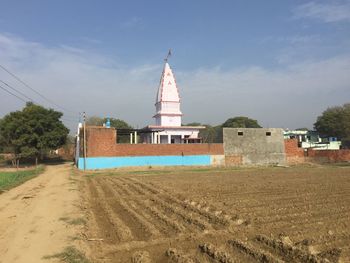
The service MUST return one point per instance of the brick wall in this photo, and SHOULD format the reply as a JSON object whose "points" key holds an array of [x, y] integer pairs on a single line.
{"points": [[233, 160], [294, 154], [332, 156], [101, 142]]}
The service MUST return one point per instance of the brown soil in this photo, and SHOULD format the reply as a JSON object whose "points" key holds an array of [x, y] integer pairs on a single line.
{"points": [[298, 214], [31, 217]]}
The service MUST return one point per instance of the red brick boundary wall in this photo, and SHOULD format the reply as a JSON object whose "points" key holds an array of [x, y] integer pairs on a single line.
{"points": [[101, 142], [328, 156], [295, 154]]}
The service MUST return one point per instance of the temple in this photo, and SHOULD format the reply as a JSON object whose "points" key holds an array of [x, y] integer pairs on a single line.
{"points": [[168, 128]]}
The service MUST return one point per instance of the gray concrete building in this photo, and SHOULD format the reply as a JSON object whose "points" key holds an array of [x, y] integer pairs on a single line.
{"points": [[254, 146]]}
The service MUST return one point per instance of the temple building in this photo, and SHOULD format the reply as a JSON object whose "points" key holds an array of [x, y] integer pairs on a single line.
{"points": [[168, 128]]}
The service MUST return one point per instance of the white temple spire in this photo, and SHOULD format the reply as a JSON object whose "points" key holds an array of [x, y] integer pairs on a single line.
{"points": [[168, 111]]}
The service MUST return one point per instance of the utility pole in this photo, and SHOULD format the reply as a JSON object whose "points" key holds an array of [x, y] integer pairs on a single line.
{"points": [[84, 119]]}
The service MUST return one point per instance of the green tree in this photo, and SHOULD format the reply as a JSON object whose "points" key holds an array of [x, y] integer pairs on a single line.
{"points": [[94, 121], [33, 131], [335, 122], [192, 124], [211, 134], [2, 142], [241, 122], [115, 123]]}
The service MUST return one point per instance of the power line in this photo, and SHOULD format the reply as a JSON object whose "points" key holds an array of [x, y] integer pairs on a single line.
{"points": [[24, 95], [1, 87], [13, 94], [27, 97], [9, 92], [29, 87]]}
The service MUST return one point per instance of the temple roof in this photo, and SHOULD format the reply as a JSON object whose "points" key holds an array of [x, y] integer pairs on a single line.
{"points": [[167, 91]]}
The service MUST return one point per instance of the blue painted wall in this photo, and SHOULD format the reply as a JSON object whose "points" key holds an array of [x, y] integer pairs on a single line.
{"points": [[115, 162]]}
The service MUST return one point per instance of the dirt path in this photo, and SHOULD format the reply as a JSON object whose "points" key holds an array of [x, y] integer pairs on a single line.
{"points": [[32, 214]]}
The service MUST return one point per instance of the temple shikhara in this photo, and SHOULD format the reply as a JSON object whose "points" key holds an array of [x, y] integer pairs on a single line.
{"points": [[168, 116]]}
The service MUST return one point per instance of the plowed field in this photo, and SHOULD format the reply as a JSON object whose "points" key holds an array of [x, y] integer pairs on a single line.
{"points": [[298, 214]]}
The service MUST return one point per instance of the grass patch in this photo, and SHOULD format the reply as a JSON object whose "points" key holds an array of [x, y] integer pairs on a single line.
{"points": [[75, 221], [69, 255], [12, 179]]}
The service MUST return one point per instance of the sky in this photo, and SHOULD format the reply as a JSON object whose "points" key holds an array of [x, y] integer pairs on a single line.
{"points": [[280, 62]]}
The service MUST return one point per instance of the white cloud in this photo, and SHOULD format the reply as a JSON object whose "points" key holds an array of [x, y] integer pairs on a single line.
{"points": [[326, 12], [291, 96], [133, 22]]}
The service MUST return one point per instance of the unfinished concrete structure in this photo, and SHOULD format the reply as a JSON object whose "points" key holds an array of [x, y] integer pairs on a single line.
{"points": [[253, 146]]}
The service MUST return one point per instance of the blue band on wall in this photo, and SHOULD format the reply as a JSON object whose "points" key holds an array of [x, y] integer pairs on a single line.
{"points": [[93, 163]]}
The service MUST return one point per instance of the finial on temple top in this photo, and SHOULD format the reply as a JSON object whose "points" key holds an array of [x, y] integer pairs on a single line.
{"points": [[167, 57]]}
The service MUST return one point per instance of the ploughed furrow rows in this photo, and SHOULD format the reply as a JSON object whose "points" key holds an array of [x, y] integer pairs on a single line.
{"points": [[179, 257], [152, 221], [311, 226], [180, 211], [292, 253], [257, 253], [285, 197], [293, 206], [302, 217], [100, 215], [214, 218], [144, 186], [117, 225], [132, 187], [131, 219], [164, 210], [216, 254], [187, 217], [178, 228], [120, 187], [159, 219], [130, 207]]}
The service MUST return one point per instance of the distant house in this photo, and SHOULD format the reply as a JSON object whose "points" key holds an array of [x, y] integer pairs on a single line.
{"points": [[311, 139]]}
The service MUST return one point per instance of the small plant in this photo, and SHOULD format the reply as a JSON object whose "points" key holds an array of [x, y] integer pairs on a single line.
{"points": [[76, 221], [69, 255]]}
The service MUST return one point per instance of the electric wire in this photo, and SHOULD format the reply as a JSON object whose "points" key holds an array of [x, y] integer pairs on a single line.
{"points": [[27, 97], [19, 92], [18, 97], [1, 87], [32, 89]]}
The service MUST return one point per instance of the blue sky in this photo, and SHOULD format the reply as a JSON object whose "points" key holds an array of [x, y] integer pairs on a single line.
{"points": [[281, 62]]}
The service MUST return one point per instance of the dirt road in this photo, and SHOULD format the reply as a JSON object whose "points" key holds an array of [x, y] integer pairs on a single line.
{"points": [[34, 216]]}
